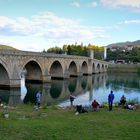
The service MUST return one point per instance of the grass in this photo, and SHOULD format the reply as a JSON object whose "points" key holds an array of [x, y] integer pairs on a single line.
{"points": [[138, 71], [7, 47], [62, 124]]}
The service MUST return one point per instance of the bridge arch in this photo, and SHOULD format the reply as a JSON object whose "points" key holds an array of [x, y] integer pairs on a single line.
{"points": [[84, 68], [98, 68], [93, 68], [102, 68], [33, 71], [105, 68], [72, 69], [56, 70], [4, 75]]}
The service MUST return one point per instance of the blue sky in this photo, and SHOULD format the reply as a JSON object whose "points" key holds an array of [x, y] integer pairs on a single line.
{"points": [[34, 25]]}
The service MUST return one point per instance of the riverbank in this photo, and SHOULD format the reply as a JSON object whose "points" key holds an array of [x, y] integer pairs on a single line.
{"points": [[53, 123], [132, 68]]}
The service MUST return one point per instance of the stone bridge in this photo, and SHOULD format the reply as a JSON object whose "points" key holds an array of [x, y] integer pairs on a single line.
{"points": [[43, 66]]}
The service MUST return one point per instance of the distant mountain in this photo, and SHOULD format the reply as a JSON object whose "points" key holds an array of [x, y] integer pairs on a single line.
{"points": [[7, 47], [123, 44]]}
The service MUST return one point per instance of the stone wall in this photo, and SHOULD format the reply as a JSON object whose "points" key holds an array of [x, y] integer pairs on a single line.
{"points": [[123, 67]]}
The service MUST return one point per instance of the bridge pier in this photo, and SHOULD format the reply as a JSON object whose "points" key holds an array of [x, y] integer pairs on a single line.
{"points": [[46, 78], [66, 75], [15, 82], [79, 74], [15, 96], [45, 92], [96, 72]]}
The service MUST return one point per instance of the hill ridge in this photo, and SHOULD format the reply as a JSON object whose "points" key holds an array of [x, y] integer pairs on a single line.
{"points": [[122, 44]]}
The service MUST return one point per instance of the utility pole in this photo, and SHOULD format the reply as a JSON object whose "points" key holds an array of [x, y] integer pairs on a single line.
{"points": [[105, 53]]}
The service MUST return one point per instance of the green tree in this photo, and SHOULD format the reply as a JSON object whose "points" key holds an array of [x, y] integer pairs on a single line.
{"points": [[56, 50]]}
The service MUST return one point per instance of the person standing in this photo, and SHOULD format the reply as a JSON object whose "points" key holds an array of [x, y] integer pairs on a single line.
{"points": [[71, 99], [38, 96], [110, 100]]}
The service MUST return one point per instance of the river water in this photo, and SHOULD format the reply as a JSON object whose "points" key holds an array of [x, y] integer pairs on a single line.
{"points": [[85, 89]]}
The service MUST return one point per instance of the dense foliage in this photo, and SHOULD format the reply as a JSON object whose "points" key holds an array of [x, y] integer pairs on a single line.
{"points": [[76, 49], [129, 56]]}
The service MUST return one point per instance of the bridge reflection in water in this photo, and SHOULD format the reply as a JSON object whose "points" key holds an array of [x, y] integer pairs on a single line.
{"points": [[85, 88]]}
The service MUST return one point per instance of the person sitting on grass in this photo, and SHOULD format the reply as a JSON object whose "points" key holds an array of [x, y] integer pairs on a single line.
{"points": [[122, 101], [95, 105], [80, 109]]}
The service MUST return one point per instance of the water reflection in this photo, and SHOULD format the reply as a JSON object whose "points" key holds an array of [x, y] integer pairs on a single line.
{"points": [[30, 96], [10, 96], [23, 88], [85, 89], [56, 88], [72, 84], [5, 94]]}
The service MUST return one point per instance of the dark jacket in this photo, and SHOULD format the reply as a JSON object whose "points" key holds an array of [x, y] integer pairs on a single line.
{"points": [[110, 97]]}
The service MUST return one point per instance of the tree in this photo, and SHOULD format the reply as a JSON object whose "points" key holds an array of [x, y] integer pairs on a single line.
{"points": [[56, 50], [76, 49]]}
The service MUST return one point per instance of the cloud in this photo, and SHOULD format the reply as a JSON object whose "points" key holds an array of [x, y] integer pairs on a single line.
{"points": [[46, 29], [76, 4], [134, 21], [94, 4], [131, 4], [131, 22], [18, 26]]}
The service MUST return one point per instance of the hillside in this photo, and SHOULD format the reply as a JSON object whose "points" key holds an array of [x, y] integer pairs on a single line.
{"points": [[7, 47], [122, 44]]}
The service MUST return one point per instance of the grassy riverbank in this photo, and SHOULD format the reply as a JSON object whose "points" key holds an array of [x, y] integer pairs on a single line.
{"points": [[124, 68], [62, 124]]}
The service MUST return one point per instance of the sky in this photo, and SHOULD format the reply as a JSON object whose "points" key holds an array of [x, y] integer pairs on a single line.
{"points": [[36, 25]]}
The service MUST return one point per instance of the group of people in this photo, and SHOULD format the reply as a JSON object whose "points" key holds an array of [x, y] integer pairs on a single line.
{"points": [[125, 105], [122, 103], [95, 105]]}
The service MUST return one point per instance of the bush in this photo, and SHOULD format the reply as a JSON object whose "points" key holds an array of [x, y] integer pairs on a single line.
{"points": [[133, 101]]}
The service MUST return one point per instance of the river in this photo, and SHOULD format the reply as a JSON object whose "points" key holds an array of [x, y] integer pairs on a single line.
{"points": [[85, 89]]}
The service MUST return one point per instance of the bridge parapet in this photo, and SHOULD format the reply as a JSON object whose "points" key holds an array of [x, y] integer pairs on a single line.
{"points": [[40, 54]]}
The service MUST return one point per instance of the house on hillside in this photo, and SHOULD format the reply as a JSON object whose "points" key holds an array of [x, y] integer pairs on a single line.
{"points": [[118, 48], [130, 47], [122, 48]]}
